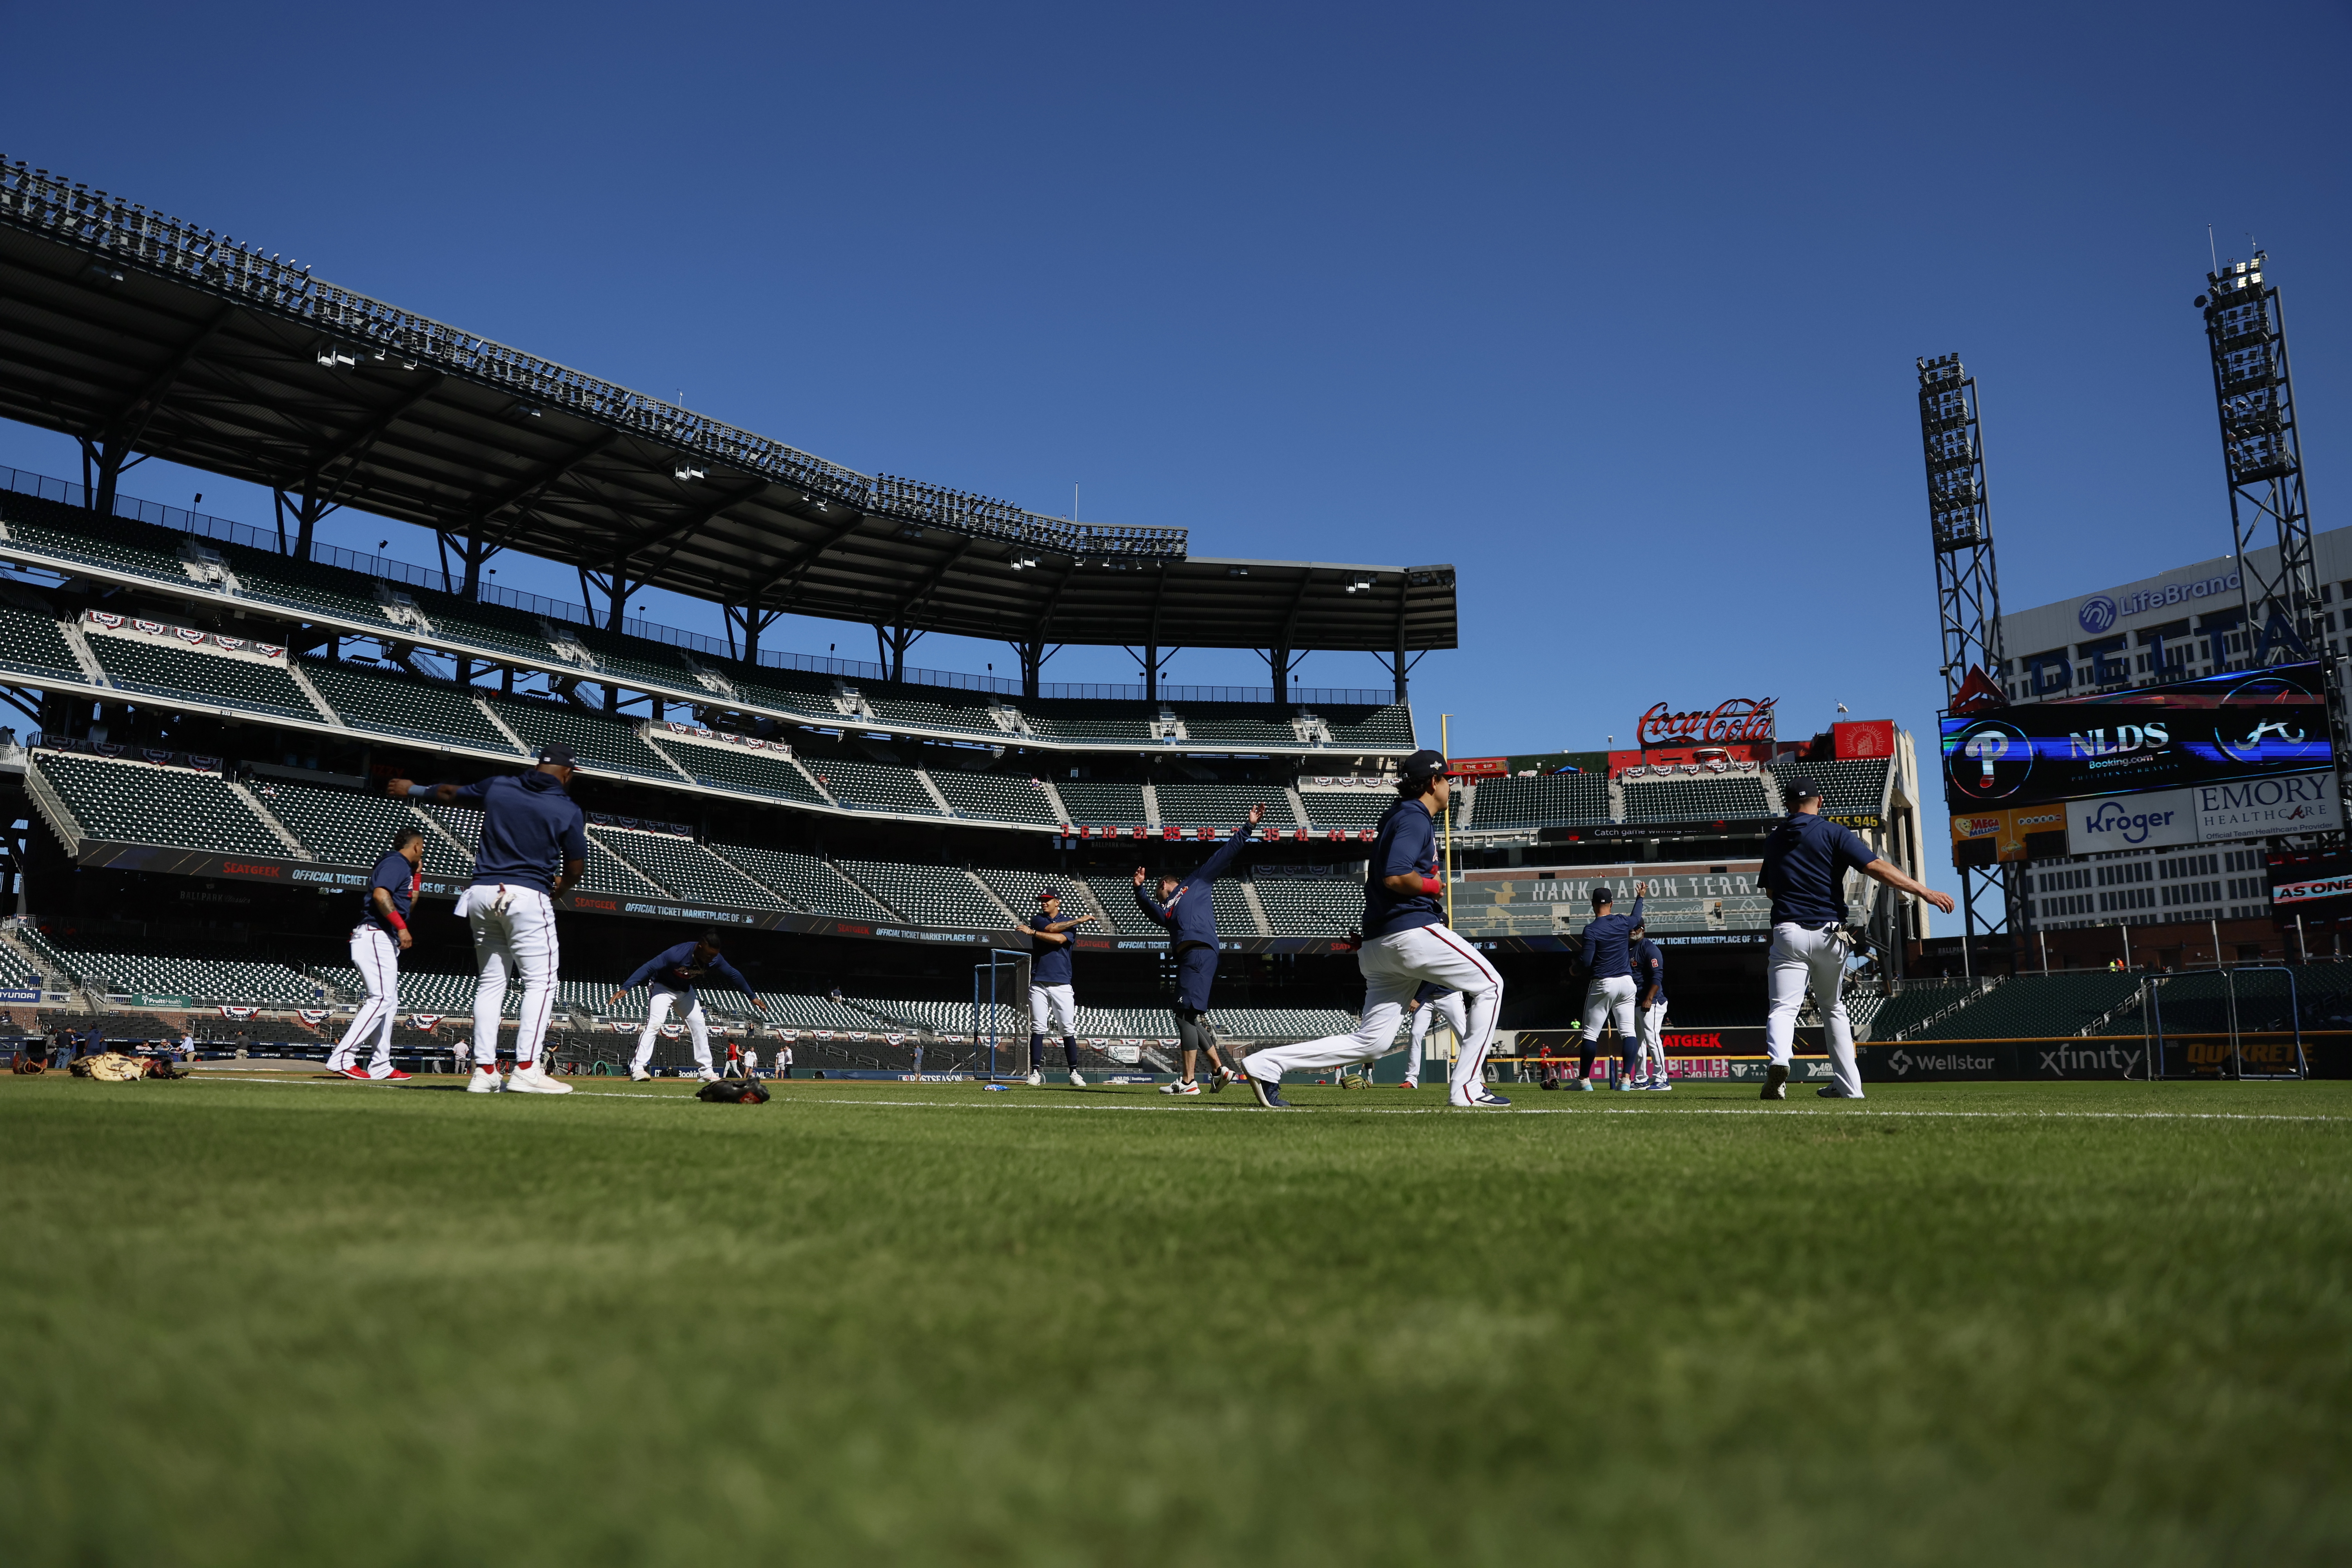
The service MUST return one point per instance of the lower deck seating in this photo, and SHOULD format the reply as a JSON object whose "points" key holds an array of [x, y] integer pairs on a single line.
{"points": [[929, 895], [1350, 811], [134, 803], [1302, 907], [686, 869], [995, 797], [873, 786], [1546, 800], [350, 829], [601, 744], [402, 705], [752, 772], [806, 881], [1117, 895], [1102, 803], [141, 664]]}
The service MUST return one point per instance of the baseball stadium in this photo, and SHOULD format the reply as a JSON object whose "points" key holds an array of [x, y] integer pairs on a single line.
{"points": [[865, 1252]]}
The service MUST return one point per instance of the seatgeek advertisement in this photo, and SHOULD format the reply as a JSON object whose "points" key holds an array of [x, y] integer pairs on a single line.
{"points": [[2247, 724]]}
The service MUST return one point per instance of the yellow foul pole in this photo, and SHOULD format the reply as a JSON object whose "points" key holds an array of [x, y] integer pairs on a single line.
{"points": [[1445, 749]]}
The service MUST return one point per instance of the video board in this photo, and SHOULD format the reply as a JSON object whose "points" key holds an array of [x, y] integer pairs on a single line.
{"points": [[2316, 886], [2243, 725]]}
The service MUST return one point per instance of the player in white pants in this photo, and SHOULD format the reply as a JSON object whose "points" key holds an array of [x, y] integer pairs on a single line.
{"points": [[676, 973], [1650, 1013], [1405, 943], [529, 828], [377, 943], [1428, 1006], [1608, 958], [1805, 861]]}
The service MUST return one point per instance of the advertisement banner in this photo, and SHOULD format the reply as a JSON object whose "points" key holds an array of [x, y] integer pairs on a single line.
{"points": [[2131, 821], [2011, 832], [2266, 808], [2223, 729]]}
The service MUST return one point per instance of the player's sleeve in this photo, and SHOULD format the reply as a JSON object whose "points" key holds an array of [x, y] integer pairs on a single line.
{"points": [[1150, 905], [1767, 875], [1226, 854], [646, 970], [391, 875], [1636, 915], [575, 837], [1404, 852], [1853, 850], [1591, 943], [478, 791]]}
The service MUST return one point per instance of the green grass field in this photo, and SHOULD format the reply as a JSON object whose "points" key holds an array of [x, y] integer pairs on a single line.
{"points": [[304, 1321]]}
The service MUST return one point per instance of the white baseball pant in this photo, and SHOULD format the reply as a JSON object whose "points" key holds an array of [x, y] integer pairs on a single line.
{"points": [[376, 953], [1059, 1001], [697, 1028], [1605, 1000], [1394, 966], [514, 937], [1652, 1057], [1448, 1008], [1816, 958]]}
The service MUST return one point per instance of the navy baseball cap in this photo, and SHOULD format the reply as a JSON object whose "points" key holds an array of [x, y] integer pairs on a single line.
{"points": [[557, 752], [1044, 893], [1802, 789], [1425, 765]]}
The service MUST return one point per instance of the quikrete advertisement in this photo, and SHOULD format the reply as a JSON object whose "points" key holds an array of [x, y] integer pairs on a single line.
{"points": [[2223, 729]]}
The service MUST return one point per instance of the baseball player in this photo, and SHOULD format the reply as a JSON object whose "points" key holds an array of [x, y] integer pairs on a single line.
{"points": [[1405, 943], [675, 973], [1186, 906], [1608, 959], [1648, 1067], [377, 943], [1429, 1003], [529, 828], [1049, 984], [1805, 860]]}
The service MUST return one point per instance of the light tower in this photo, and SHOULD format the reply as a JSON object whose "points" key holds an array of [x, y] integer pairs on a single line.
{"points": [[1968, 593], [2264, 460]]}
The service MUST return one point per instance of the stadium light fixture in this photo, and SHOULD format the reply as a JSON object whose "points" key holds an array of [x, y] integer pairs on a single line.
{"points": [[1024, 563], [686, 475], [1360, 585], [1236, 571]]}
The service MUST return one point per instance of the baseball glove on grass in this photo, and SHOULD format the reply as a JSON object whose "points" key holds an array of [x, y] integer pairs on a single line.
{"points": [[733, 1091]]}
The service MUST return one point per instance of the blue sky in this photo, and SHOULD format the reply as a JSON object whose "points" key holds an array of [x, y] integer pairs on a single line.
{"points": [[1614, 309]]}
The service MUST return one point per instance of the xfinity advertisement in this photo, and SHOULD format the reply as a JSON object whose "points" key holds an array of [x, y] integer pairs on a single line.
{"points": [[2223, 729]]}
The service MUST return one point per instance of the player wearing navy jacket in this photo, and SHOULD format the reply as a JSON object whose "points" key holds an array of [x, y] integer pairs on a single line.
{"points": [[1647, 1066], [1405, 943], [677, 974], [1186, 906], [1805, 861], [1608, 960], [1050, 985], [377, 943], [533, 847]]}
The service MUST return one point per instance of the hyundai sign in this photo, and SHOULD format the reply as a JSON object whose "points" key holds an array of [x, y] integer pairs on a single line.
{"points": [[2247, 724]]}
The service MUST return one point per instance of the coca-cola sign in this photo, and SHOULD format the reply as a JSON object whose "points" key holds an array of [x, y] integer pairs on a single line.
{"points": [[1737, 720]]}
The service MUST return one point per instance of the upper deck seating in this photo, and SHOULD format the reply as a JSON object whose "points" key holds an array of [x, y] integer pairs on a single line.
{"points": [[685, 869], [806, 881], [995, 797], [141, 664], [36, 645], [873, 786], [1102, 803], [602, 745], [388, 704], [768, 773], [1547, 799], [1188, 804]]}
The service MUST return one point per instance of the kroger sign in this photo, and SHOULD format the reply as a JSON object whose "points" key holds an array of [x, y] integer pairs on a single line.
{"points": [[2102, 611]]}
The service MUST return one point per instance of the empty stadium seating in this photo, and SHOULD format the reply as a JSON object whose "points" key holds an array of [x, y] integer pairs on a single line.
{"points": [[300, 584], [132, 803], [1102, 803], [350, 829], [806, 881], [1245, 727], [1850, 787], [602, 745], [2034, 1005], [929, 895], [745, 771], [1546, 800], [1090, 723], [1117, 897], [1389, 727], [390, 704], [608, 873], [120, 966], [1019, 889], [685, 869], [1233, 916], [1700, 798], [74, 534], [873, 786], [143, 665], [995, 797], [1188, 804], [36, 645], [495, 628], [1302, 907], [1351, 811]]}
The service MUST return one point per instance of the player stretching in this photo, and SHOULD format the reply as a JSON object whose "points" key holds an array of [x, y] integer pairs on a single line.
{"points": [[1608, 959], [1649, 1062], [1405, 943], [377, 943], [1049, 984], [1187, 908], [1429, 1003], [675, 971], [1805, 860], [529, 827]]}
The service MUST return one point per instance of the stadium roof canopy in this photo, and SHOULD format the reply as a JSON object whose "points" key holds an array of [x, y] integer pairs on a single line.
{"points": [[141, 334]]}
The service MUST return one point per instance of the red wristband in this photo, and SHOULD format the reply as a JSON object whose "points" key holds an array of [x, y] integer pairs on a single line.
{"points": [[394, 917], [1432, 888]]}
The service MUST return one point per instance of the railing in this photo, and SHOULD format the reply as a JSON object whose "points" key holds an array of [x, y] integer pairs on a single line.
{"points": [[358, 327], [202, 525]]}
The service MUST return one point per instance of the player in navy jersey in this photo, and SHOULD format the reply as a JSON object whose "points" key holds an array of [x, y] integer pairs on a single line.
{"points": [[1405, 943], [1050, 985], [1186, 908], [676, 974], [377, 942]]}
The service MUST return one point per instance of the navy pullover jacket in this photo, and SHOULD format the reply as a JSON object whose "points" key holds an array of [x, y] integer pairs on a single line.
{"points": [[1649, 969], [1190, 914], [529, 828], [1805, 860], [1606, 944], [677, 968]]}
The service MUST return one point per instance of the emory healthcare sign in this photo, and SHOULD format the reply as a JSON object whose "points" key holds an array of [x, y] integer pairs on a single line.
{"points": [[2209, 813]]}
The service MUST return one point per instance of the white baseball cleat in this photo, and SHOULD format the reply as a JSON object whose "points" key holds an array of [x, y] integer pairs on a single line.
{"points": [[535, 1081], [1185, 1088], [485, 1081], [1077, 1080], [1037, 1081], [639, 1074], [706, 1075]]}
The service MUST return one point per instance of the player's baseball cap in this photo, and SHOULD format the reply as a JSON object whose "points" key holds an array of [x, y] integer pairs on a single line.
{"points": [[1603, 895], [1425, 765], [1802, 789], [557, 752], [1044, 893]]}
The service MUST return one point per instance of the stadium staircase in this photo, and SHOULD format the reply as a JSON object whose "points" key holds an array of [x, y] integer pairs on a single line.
{"points": [[1972, 994]]}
